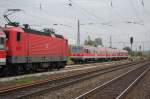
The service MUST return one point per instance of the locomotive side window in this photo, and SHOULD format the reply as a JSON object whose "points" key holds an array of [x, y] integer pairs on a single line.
{"points": [[18, 36], [2, 43]]}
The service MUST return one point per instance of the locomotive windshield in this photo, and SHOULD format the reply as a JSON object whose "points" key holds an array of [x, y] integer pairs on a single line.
{"points": [[2, 43]]}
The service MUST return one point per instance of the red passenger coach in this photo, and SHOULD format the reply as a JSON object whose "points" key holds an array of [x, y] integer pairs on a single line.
{"points": [[29, 49], [90, 53]]}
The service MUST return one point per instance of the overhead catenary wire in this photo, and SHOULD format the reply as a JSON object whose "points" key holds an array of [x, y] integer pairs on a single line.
{"points": [[135, 11], [101, 23], [137, 14], [47, 14], [40, 17], [88, 12]]}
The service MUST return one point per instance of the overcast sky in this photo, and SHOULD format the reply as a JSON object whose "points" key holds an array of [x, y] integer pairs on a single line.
{"points": [[120, 19]]}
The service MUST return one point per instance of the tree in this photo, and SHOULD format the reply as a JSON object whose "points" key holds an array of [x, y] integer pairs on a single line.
{"points": [[96, 42], [88, 41], [127, 49]]}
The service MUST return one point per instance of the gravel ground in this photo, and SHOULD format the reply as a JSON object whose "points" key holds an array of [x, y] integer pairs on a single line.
{"points": [[141, 90], [77, 89]]}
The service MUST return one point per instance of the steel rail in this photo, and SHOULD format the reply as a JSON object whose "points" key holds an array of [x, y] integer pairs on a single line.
{"points": [[65, 70], [102, 87], [126, 91], [67, 67]]}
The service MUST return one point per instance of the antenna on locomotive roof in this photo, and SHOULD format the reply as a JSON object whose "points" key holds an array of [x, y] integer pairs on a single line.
{"points": [[10, 12]]}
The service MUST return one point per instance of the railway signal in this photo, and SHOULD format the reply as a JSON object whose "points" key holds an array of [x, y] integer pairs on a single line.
{"points": [[131, 42]]}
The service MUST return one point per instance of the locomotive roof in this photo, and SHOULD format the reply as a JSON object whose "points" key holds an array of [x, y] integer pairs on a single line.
{"points": [[41, 33], [20, 29]]}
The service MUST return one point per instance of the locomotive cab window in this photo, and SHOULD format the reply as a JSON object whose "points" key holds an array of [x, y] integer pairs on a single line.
{"points": [[2, 43], [7, 35], [18, 36]]}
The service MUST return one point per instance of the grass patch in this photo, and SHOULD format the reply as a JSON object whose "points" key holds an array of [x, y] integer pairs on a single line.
{"points": [[25, 80], [69, 61]]}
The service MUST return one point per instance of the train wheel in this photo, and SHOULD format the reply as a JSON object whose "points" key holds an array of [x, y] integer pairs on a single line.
{"points": [[15, 70], [28, 68], [75, 62], [35, 67], [63, 64], [3, 71], [60, 65]]}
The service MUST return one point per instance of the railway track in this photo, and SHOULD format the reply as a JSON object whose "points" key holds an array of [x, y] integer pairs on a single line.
{"points": [[40, 87], [118, 87], [139, 89], [89, 64], [68, 67], [65, 70]]}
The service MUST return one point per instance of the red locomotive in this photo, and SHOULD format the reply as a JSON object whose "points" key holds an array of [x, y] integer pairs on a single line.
{"points": [[90, 53], [28, 50]]}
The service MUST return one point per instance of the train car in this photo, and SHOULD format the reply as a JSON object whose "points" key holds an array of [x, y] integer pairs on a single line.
{"points": [[90, 53], [83, 53], [102, 54], [31, 50], [76, 53], [123, 54]]}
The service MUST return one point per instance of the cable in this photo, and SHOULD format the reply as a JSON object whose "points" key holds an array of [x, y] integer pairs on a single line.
{"points": [[136, 12], [89, 13]]}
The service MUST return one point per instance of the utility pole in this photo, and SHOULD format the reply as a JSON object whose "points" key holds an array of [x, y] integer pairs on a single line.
{"points": [[110, 42], [78, 34], [143, 48]]}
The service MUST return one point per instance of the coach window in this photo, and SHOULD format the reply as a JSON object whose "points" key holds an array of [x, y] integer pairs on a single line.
{"points": [[86, 50], [18, 36]]}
